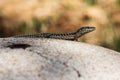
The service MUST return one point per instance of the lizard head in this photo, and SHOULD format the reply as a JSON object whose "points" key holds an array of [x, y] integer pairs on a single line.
{"points": [[84, 30]]}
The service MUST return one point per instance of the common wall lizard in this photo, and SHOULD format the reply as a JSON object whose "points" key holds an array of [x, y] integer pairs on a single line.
{"points": [[66, 36]]}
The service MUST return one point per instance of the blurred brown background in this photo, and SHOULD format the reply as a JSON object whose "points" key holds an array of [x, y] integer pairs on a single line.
{"points": [[35, 16]]}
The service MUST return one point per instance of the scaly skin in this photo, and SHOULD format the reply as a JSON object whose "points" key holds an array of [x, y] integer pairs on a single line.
{"points": [[65, 36]]}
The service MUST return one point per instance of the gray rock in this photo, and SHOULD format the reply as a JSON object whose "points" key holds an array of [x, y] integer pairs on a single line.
{"points": [[50, 59]]}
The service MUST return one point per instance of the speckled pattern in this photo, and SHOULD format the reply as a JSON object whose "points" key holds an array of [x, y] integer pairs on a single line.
{"points": [[65, 36], [52, 59]]}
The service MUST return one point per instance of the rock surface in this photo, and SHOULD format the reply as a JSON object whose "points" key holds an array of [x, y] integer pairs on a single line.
{"points": [[50, 59]]}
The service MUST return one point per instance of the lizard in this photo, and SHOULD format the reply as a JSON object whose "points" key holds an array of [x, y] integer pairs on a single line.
{"points": [[65, 36]]}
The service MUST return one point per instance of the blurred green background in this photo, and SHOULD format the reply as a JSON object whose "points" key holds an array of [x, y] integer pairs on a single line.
{"points": [[35, 16]]}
